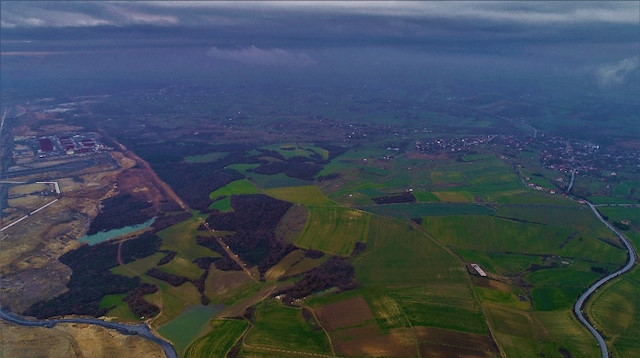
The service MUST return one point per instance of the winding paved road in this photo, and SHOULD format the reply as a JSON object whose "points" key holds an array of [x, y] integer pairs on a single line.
{"points": [[577, 308], [140, 329]]}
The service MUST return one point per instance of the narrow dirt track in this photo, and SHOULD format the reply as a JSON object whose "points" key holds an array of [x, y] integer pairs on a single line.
{"points": [[233, 256]]}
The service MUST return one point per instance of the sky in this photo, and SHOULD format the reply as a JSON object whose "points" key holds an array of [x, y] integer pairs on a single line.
{"points": [[581, 44]]}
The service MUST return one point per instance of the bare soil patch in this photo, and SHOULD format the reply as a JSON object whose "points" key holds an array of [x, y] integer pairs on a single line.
{"points": [[491, 284], [369, 342], [435, 342], [354, 331], [345, 313]]}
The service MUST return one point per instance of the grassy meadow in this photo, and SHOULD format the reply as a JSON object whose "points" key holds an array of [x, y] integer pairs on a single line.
{"points": [[615, 310], [334, 230], [224, 334]]}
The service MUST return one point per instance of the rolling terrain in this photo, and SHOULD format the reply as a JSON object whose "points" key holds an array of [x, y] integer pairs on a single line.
{"points": [[321, 247]]}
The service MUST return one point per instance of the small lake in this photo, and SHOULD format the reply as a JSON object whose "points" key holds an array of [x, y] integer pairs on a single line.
{"points": [[106, 235]]}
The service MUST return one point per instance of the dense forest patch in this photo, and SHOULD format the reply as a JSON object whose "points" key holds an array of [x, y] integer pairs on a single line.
{"points": [[91, 279], [120, 211], [254, 220], [335, 272], [194, 182]]}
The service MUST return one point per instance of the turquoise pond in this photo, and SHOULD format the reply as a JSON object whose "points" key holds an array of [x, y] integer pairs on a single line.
{"points": [[107, 235]]}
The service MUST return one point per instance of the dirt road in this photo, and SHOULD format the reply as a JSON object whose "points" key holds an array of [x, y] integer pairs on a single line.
{"points": [[164, 187], [233, 256]]}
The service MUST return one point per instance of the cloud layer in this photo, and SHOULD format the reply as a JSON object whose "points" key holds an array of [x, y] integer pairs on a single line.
{"points": [[192, 13], [617, 73]]}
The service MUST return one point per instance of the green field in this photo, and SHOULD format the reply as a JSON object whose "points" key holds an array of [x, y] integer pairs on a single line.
{"points": [[560, 329], [223, 195], [186, 327], [627, 189], [118, 308], [483, 177], [241, 186], [558, 288], [334, 230], [454, 196], [615, 310], [307, 195], [539, 334], [417, 210], [423, 196], [503, 298], [580, 218], [398, 254], [181, 239], [610, 200], [139, 266], [282, 327], [491, 234], [182, 267], [216, 344], [617, 214], [449, 306], [526, 196]]}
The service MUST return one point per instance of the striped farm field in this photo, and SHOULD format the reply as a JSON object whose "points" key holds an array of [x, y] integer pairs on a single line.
{"points": [[334, 230]]}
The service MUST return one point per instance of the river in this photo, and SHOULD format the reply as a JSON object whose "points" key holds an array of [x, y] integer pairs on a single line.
{"points": [[139, 329]]}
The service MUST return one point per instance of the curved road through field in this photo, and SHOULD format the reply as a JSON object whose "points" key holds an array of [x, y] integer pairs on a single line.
{"points": [[140, 329], [577, 308]]}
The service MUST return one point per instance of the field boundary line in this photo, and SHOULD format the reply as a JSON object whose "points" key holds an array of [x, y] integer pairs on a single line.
{"points": [[469, 284], [323, 329]]}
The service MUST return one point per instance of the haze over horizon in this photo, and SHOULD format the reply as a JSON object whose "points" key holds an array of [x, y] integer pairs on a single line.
{"points": [[570, 48]]}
